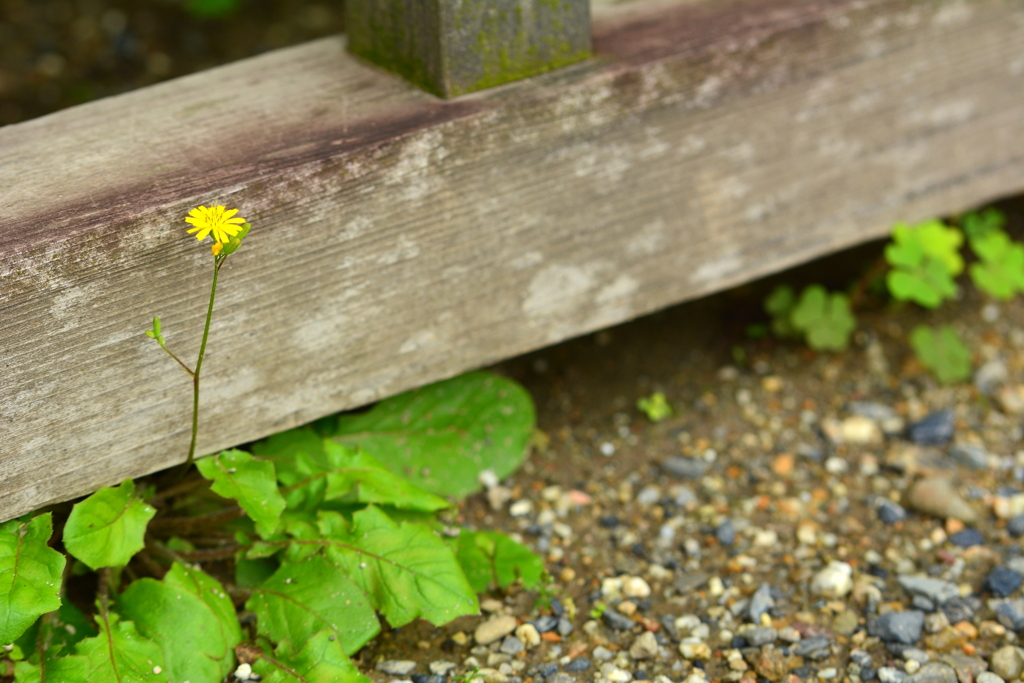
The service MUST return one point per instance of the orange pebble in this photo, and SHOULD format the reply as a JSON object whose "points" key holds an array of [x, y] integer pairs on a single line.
{"points": [[783, 464], [551, 637], [953, 525]]}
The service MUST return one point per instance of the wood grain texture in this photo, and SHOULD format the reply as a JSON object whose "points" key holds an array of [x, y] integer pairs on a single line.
{"points": [[399, 239]]}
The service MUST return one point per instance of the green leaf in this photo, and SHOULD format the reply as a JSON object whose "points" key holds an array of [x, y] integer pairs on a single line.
{"points": [[59, 630], [304, 598], [405, 569], [977, 224], [351, 476], [656, 407], [107, 528], [491, 558], [924, 260], [943, 352], [118, 653], [30, 574], [442, 436], [825, 319], [321, 660], [779, 305], [1000, 272], [192, 619], [71, 669], [235, 474]]}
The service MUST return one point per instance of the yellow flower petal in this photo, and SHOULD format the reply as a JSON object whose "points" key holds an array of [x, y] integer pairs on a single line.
{"points": [[218, 220]]}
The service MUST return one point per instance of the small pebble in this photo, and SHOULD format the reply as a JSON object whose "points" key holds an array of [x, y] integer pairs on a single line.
{"points": [[988, 677], [934, 429], [521, 507], [725, 533], [1008, 662], [686, 468], [616, 621], [578, 664], [937, 496], [494, 629], [891, 512], [834, 581], [396, 667], [512, 645], [442, 668], [967, 538], [1002, 581], [529, 635], [1016, 526], [900, 627], [760, 602], [762, 635], [426, 678], [644, 647]]}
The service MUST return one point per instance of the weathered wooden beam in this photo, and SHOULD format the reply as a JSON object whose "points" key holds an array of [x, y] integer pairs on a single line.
{"points": [[399, 239], [454, 47]]}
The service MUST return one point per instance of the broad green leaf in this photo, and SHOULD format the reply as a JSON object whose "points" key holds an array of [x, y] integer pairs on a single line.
{"points": [[118, 654], [491, 558], [321, 660], [442, 436], [924, 260], [70, 669], [235, 474], [30, 574], [1000, 272], [192, 619], [779, 305], [303, 598], [943, 352], [59, 631], [351, 476], [107, 528], [294, 453], [825, 319], [405, 569], [250, 573]]}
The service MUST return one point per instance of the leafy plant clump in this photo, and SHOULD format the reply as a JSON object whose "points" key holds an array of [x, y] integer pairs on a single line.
{"points": [[942, 351], [324, 528], [824, 319], [656, 407], [924, 259]]}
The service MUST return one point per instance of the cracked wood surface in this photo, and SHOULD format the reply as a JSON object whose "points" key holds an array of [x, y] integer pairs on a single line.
{"points": [[399, 239]]}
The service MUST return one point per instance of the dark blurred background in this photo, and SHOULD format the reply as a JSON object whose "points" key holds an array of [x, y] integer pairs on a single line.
{"points": [[59, 53]]}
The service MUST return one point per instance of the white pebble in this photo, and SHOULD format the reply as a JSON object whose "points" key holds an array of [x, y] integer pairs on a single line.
{"points": [[243, 672], [607, 449], [521, 508]]}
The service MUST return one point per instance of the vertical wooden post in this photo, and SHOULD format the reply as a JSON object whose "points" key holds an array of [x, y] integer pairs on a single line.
{"points": [[453, 47]]}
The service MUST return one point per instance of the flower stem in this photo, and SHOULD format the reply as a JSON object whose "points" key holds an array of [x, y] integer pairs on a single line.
{"points": [[169, 353], [217, 261]]}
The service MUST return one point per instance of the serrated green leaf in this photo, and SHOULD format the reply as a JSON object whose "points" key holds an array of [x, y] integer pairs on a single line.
{"points": [[107, 528], [321, 660], [442, 436], [70, 669], [118, 653], [1000, 273], [192, 619], [943, 352], [253, 483], [825, 319], [405, 569], [491, 559], [304, 598], [30, 574]]}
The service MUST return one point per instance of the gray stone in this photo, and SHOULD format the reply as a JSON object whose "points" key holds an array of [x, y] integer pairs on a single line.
{"points": [[1008, 662], [760, 602], [560, 677], [644, 647], [936, 590], [725, 533], [991, 376], [565, 626], [545, 623], [919, 656], [900, 627], [442, 668], [762, 635], [934, 672], [1002, 581], [970, 455], [966, 667], [988, 677], [813, 647], [1009, 613], [578, 664], [1016, 526], [890, 512], [687, 468], [512, 645], [396, 667], [617, 621], [934, 429], [888, 674]]}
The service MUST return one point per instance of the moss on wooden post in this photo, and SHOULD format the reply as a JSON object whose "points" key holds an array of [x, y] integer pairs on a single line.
{"points": [[453, 47]]}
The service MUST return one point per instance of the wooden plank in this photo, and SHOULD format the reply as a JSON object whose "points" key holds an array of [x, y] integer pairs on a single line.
{"points": [[399, 239]]}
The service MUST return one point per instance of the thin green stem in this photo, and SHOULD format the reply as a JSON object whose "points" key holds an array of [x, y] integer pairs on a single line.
{"points": [[217, 261], [169, 353]]}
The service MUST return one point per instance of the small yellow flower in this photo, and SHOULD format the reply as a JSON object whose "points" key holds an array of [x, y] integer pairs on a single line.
{"points": [[217, 246], [216, 219]]}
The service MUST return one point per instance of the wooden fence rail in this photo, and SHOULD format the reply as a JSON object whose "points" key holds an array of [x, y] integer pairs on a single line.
{"points": [[399, 238]]}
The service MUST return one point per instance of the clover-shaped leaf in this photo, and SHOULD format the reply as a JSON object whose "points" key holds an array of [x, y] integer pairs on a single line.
{"points": [[779, 305], [1000, 271], [825, 319], [107, 528], [943, 352], [253, 483], [924, 260], [977, 224], [30, 574]]}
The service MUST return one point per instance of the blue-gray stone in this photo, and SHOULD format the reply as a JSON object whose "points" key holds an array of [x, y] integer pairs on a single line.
{"points": [[545, 623], [564, 627], [900, 627], [868, 673], [1016, 526], [397, 667], [891, 512], [762, 635], [668, 624], [934, 672], [726, 533], [888, 674], [814, 647], [560, 678], [557, 608], [512, 645], [1010, 613], [934, 429], [687, 468], [970, 455], [960, 609], [616, 621], [427, 678], [578, 664], [1003, 581], [922, 603], [936, 590], [965, 538], [861, 658], [760, 602], [548, 669]]}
